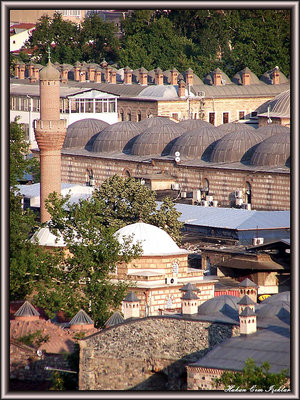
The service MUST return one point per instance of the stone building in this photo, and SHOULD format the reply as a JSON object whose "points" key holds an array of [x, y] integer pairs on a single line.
{"points": [[159, 273]]}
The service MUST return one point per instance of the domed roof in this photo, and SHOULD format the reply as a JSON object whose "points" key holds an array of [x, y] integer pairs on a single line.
{"points": [[116, 137], [278, 107], [238, 80], [156, 140], [189, 124], [159, 91], [49, 73], [235, 146], [272, 129], [155, 121], [225, 304], [273, 151], [283, 296], [193, 143], [82, 133], [44, 237], [153, 240], [235, 127], [279, 309], [209, 79], [267, 77]]}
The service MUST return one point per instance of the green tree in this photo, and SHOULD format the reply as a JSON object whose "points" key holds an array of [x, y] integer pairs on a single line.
{"points": [[98, 39], [28, 262], [62, 36], [254, 377], [125, 201]]}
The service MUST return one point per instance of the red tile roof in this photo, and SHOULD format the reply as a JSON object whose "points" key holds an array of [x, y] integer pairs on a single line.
{"points": [[23, 26]]}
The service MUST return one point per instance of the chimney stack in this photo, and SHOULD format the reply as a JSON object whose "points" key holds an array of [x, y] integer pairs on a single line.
{"points": [[189, 303], [127, 76], [143, 76], [81, 322], [246, 77], [217, 77], [181, 88], [131, 306], [174, 76], [22, 70], [107, 73], [113, 75], [249, 288], [189, 76], [77, 66], [247, 321], [159, 77], [98, 75], [275, 76]]}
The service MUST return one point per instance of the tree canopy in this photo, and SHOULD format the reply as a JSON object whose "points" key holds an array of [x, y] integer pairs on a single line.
{"points": [[254, 378], [199, 39]]}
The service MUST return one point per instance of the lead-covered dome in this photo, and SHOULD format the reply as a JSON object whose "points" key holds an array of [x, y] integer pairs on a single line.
{"points": [[116, 137], [82, 133], [189, 124], [272, 129], [273, 151], [238, 77], [43, 237], [155, 121], [225, 305], [156, 140], [196, 142], [235, 127], [153, 240], [236, 146]]}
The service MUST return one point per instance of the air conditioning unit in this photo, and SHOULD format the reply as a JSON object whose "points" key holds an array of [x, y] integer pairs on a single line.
{"points": [[256, 241], [246, 206], [92, 182], [238, 193], [208, 197], [238, 202], [183, 195], [171, 281], [196, 195], [215, 203], [201, 93], [204, 203], [175, 186]]}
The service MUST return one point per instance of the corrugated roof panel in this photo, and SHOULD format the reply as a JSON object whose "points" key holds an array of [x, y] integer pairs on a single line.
{"points": [[232, 218]]}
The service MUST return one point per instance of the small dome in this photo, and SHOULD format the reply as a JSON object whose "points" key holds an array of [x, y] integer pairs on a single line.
{"points": [[272, 129], [273, 151], [116, 137], [189, 124], [159, 91], [43, 237], [279, 309], [209, 79], [267, 77], [49, 73], [283, 296], [155, 121], [192, 144], [154, 241], [82, 133], [225, 304], [235, 146], [156, 140], [235, 127], [238, 77]]}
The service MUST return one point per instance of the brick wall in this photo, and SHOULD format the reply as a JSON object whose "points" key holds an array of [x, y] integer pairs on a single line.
{"points": [[269, 189], [147, 354]]}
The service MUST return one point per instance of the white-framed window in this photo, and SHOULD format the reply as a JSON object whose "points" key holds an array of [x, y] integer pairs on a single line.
{"points": [[225, 117], [212, 118], [241, 115], [75, 13]]}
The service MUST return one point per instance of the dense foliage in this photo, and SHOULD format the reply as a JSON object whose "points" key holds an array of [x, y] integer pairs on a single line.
{"points": [[254, 377], [199, 39]]}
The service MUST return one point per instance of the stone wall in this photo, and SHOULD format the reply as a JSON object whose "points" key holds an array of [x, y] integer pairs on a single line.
{"points": [[269, 189], [147, 354], [25, 364]]}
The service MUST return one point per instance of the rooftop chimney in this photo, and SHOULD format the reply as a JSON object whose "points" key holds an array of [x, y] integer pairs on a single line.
{"points": [[143, 76], [113, 75], [181, 88], [189, 303], [174, 76], [98, 75], [159, 77], [247, 321], [127, 76], [217, 77], [275, 76], [246, 77], [107, 73], [81, 322], [77, 66], [131, 306], [189, 76]]}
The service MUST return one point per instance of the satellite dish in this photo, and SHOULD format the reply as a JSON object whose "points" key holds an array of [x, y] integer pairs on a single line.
{"points": [[177, 159], [39, 353], [177, 154]]}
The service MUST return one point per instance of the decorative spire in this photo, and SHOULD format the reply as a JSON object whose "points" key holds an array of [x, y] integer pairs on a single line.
{"points": [[49, 54]]}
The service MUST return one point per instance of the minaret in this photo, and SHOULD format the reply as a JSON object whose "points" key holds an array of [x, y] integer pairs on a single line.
{"points": [[50, 132]]}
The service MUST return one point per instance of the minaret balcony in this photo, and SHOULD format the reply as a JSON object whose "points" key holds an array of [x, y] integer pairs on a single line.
{"points": [[50, 126]]}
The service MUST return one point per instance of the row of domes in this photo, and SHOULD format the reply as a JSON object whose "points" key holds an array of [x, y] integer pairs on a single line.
{"points": [[193, 139]]}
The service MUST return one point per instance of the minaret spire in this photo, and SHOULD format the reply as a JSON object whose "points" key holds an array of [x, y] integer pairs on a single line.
{"points": [[49, 54]]}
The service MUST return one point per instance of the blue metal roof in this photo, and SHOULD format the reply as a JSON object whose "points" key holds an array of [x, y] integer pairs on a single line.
{"points": [[232, 218]]}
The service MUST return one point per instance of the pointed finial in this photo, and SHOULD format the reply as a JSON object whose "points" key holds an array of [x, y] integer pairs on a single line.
{"points": [[49, 54]]}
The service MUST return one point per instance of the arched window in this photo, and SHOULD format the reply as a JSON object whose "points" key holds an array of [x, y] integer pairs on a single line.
{"points": [[122, 114], [248, 192], [205, 185], [139, 116]]}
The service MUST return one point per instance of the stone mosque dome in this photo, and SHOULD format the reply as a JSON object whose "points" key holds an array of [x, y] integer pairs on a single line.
{"points": [[235, 146], [116, 137], [194, 143], [153, 240], [235, 127], [82, 133], [44, 237], [189, 124], [224, 304], [279, 106], [49, 73], [273, 151], [272, 129], [267, 77], [156, 140], [209, 79], [155, 121], [279, 309]]}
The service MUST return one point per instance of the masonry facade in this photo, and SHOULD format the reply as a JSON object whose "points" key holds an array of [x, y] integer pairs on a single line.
{"points": [[147, 354]]}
